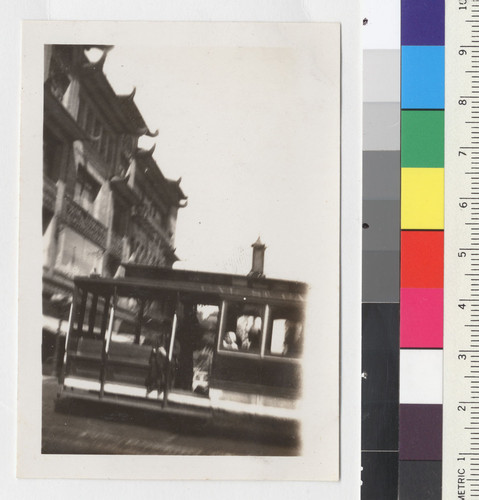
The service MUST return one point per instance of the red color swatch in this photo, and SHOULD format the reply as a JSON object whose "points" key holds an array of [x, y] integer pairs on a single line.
{"points": [[422, 259]]}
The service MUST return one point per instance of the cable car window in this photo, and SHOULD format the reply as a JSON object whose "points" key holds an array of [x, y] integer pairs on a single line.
{"points": [[243, 328], [285, 336]]}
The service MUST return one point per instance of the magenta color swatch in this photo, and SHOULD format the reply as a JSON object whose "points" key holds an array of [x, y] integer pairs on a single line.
{"points": [[421, 323]]}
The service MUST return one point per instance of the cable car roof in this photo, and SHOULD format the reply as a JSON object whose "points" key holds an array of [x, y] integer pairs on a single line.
{"points": [[148, 280]]}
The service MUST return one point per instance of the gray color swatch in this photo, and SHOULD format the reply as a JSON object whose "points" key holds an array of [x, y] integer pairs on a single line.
{"points": [[381, 75], [381, 224], [381, 175], [381, 126], [380, 386], [381, 276], [420, 479], [379, 476]]}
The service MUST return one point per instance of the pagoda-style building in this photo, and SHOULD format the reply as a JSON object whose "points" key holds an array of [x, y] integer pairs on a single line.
{"points": [[105, 200]]}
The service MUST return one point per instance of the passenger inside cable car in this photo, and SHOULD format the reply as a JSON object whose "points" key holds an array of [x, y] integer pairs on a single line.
{"points": [[243, 327], [229, 341]]}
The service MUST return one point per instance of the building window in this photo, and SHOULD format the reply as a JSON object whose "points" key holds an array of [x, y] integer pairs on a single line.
{"points": [[82, 113], [59, 79], [89, 121], [120, 219], [93, 125], [86, 190], [51, 153], [97, 132], [112, 265]]}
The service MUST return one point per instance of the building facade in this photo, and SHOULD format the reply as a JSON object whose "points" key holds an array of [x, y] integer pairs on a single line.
{"points": [[105, 200]]}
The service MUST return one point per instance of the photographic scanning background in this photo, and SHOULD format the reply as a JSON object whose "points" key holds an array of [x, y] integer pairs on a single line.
{"points": [[256, 108], [290, 11]]}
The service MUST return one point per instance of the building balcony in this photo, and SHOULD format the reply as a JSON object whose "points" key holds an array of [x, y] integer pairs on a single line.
{"points": [[49, 194], [140, 216], [84, 223]]}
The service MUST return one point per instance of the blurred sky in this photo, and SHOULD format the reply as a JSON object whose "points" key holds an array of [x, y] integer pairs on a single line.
{"points": [[247, 130]]}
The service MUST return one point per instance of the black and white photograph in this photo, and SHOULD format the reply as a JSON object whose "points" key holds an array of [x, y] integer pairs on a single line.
{"points": [[179, 297]]}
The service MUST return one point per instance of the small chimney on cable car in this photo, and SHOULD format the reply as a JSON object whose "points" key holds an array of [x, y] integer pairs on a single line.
{"points": [[258, 259]]}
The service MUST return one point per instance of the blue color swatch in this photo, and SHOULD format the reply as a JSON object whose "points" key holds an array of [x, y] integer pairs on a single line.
{"points": [[422, 77]]}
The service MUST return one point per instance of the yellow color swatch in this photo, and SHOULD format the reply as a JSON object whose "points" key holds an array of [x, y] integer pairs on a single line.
{"points": [[422, 198]]}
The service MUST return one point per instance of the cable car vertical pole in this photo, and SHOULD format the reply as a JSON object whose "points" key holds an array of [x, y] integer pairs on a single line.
{"points": [[169, 364], [71, 319], [173, 335], [106, 344]]}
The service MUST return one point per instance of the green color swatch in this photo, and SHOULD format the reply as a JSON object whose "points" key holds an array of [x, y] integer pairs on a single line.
{"points": [[422, 138]]}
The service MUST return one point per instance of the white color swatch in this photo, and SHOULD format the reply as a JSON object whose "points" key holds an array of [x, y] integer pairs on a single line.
{"points": [[420, 376]]}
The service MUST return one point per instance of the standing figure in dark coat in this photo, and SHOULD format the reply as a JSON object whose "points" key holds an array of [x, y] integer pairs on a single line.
{"points": [[188, 331], [162, 371]]}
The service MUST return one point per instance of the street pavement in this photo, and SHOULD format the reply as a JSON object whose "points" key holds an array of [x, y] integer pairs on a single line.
{"points": [[91, 428]]}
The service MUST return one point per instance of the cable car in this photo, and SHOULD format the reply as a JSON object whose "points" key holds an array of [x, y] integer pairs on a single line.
{"points": [[187, 342]]}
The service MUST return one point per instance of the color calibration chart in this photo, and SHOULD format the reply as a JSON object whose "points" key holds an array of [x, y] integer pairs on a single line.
{"points": [[422, 248], [403, 258]]}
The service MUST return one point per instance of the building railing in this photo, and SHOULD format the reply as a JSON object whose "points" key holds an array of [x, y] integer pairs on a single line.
{"points": [[84, 223], [49, 193]]}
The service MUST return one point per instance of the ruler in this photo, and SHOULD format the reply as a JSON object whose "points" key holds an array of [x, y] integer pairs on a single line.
{"points": [[461, 257]]}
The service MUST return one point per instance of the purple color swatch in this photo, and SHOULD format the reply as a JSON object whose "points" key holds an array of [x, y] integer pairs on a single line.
{"points": [[422, 22], [420, 432]]}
